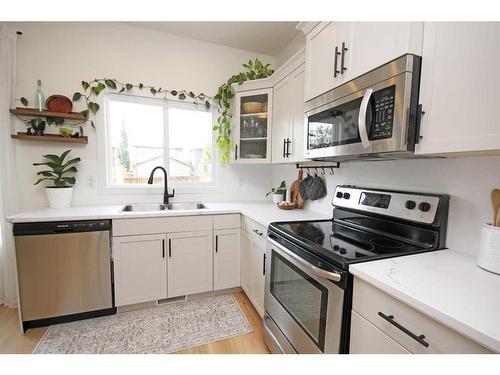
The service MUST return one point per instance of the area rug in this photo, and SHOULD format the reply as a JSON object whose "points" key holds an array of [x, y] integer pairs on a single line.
{"points": [[163, 329]]}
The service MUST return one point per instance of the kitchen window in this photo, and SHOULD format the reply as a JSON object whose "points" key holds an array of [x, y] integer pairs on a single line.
{"points": [[142, 133]]}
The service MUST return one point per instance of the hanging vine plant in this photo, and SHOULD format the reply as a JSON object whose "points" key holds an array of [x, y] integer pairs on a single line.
{"points": [[253, 70]]}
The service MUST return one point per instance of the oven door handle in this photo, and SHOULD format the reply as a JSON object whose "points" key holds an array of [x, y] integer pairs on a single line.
{"points": [[363, 133], [334, 276]]}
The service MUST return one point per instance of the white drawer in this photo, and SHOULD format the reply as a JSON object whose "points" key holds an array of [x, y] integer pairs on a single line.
{"points": [[231, 221], [257, 231], [151, 225], [370, 302]]}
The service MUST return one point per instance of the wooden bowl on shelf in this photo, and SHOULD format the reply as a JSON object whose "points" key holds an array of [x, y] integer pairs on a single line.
{"points": [[252, 107], [286, 205], [59, 104]]}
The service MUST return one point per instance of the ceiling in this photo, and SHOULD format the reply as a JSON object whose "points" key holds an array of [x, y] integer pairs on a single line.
{"points": [[268, 38]]}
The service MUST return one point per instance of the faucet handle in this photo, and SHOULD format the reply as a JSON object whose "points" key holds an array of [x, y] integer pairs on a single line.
{"points": [[171, 195]]}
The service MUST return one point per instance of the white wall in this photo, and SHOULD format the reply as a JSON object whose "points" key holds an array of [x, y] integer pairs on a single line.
{"points": [[468, 181], [64, 54], [291, 49]]}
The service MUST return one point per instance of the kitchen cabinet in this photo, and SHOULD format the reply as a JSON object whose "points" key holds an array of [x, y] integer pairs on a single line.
{"points": [[388, 325], [458, 89], [337, 52], [140, 268], [227, 258], [190, 263], [252, 126], [254, 265], [288, 118]]}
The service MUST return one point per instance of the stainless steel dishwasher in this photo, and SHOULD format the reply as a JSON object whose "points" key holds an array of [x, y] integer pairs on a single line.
{"points": [[64, 271]]}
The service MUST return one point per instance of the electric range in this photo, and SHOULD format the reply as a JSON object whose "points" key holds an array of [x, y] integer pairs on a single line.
{"points": [[309, 287]]}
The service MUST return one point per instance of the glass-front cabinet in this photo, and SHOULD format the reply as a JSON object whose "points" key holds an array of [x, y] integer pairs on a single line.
{"points": [[252, 116]]}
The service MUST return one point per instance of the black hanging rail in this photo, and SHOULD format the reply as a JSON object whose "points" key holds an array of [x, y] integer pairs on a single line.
{"points": [[315, 166]]}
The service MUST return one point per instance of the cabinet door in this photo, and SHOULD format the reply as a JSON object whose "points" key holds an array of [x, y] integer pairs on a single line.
{"points": [[368, 339], [246, 263], [252, 127], [259, 277], [372, 44], [282, 121], [320, 58], [140, 269], [297, 114], [459, 87], [190, 263], [227, 259]]}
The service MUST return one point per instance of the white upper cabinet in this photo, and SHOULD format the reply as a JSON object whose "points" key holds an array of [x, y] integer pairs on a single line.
{"points": [[323, 58], [337, 52], [459, 88]]}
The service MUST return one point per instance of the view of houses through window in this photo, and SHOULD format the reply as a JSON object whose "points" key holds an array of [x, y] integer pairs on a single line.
{"points": [[145, 134]]}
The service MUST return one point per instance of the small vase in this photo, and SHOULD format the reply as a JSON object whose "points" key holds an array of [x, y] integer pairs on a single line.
{"points": [[277, 198], [59, 197]]}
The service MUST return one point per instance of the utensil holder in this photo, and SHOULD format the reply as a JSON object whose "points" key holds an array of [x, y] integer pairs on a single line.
{"points": [[489, 250]]}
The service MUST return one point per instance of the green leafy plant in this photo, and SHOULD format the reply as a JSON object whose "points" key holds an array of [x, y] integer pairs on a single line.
{"points": [[281, 189], [59, 170], [253, 70]]}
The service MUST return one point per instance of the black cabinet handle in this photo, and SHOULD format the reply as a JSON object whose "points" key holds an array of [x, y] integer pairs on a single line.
{"points": [[257, 232], [170, 248], [335, 61], [287, 153], [235, 152], [342, 59], [216, 243], [390, 319], [163, 248], [284, 147], [264, 264]]}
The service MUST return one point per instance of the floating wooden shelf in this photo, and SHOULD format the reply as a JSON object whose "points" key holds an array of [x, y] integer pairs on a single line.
{"points": [[49, 138], [19, 111]]}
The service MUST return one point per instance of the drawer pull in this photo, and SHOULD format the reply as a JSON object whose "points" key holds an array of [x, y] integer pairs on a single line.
{"points": [[257, 232], [390, 319]]}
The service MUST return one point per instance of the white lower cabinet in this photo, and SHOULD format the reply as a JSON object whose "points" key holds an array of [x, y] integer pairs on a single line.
{"points": [[253, 263], [190, 263], [227, 258], [140, 268]]}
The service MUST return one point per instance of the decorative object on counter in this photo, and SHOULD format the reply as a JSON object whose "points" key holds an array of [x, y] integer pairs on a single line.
{"points": [[316, 188], [39, 97], [59, 103], [495, 202], [59, 195], [253, 70], [286, 205], [489, 251], [66, 132], [278, 192], [295, 196]]}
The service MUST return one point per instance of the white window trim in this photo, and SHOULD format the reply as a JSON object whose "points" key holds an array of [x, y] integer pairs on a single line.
{"points": [[103, 152]]}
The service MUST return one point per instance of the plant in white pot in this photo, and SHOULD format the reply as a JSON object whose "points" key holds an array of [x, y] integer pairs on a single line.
{"points": [[59, 194], [278, 192]]}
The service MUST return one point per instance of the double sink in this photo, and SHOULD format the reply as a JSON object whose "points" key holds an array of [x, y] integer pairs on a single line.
{"points": [[163, 207]]}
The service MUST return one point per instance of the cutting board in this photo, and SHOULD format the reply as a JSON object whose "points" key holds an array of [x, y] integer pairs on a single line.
{"points": [[294, 191]]}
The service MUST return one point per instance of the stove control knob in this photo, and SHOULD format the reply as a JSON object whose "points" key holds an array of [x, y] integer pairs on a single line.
{"points": [[347, 195], [424, 206], [335, 247], [339, 194], [342, 250], [410, 205]]}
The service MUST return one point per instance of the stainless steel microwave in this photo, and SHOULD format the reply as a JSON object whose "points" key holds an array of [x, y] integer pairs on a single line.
{"points": [[374, 116]]}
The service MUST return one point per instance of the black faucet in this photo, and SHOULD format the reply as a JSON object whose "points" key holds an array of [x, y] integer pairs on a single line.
{"points": [[166, 195]]}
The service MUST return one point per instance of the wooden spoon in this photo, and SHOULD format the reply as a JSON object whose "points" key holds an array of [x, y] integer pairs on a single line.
{"points": [[495, 202]]}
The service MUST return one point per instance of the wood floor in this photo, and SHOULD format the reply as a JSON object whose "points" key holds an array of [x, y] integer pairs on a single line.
{"points": [[12, 341]]}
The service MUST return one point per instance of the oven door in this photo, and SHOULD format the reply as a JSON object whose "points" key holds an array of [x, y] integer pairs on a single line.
{"points": [[302, 302], [369, 121]]}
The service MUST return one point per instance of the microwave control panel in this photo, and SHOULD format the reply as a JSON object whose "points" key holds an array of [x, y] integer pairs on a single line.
{"points": [[383, 111]]}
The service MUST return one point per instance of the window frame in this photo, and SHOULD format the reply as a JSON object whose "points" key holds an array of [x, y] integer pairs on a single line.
{"points": [[104, 148]]}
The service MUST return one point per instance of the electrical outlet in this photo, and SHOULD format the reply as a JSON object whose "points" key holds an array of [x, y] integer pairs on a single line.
{"points": [[90, 182]]}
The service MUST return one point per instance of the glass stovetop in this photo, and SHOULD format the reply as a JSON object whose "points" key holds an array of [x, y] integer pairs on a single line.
{"points": [[337, 241]]}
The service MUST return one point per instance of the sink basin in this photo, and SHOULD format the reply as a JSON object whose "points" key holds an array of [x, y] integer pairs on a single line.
{"points": [[185, 206], [162, 207], [143, 207]]}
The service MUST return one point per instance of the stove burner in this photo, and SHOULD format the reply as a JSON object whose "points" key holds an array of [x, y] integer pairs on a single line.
{"points": [[386, 243]]}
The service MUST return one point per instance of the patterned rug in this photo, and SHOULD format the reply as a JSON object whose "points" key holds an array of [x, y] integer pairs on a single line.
{"points": [[162, 329]]}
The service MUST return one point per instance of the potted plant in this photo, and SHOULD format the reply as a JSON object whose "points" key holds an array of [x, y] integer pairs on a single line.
{"points": [[59, 194], [278, 193]]}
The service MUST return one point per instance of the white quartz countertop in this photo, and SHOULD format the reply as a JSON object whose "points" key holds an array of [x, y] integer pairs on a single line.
{"points": [[447, 286], [262, 212]]}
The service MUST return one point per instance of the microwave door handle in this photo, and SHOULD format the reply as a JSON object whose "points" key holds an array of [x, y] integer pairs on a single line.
{"points": [[363, 133]]}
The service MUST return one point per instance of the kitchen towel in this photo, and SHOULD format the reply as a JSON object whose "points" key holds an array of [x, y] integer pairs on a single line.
{"points": [[304, 187], [316, 188]]}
